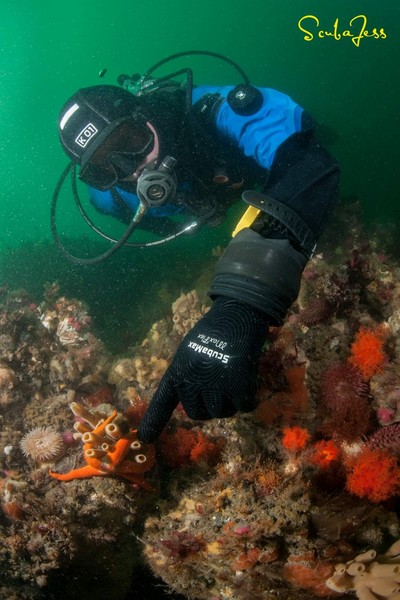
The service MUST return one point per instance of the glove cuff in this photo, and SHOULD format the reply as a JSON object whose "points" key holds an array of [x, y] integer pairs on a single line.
{"points": [[261, 272]]}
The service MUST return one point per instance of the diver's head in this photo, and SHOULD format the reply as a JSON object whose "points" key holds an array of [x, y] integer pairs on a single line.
{"points": [[103, 129]]}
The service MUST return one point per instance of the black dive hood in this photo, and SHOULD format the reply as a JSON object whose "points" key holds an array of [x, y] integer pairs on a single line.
{"points": [[156, 185]]}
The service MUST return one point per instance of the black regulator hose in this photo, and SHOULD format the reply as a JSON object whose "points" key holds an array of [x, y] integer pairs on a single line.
{"points": [[97, 259], [222, 57], [187, 228], [244, 99]]}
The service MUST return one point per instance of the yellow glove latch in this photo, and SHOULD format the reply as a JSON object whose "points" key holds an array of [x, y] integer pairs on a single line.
{"points": [[247, 219]]}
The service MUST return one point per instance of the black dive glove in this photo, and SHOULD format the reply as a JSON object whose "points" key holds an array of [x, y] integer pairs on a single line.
{"points": [[214, 371]]}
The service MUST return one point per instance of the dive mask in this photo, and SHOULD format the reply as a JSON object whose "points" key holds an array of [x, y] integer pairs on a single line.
{"points": [[119, 155]]}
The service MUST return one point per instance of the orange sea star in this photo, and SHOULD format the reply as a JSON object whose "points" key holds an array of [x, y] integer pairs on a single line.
{"points": [[106, 450]]}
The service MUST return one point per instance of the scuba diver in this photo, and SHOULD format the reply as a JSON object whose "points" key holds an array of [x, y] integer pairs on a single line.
{"points": [[153, 148]]}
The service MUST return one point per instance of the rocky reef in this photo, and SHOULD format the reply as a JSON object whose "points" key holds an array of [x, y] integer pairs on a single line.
{"points": [[310, 481], [296, 501], [74, 537]]}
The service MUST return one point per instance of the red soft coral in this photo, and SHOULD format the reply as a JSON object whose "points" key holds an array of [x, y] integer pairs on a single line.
{"points": [[205, 450], [367, 351], [185, 446], [324, 453], [177, 446], [295, 438], [375, 474]]}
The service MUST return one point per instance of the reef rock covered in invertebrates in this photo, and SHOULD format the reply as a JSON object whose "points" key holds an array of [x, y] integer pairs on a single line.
{"points": [[75, 536], [285, 502], [311, 479]]}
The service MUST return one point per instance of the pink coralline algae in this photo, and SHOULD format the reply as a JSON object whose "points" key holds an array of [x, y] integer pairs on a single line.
{"points": [[182, 544], [385, 415]]}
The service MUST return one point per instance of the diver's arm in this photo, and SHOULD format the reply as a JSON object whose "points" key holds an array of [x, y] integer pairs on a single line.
{"points": [[263, 264], [214, 371]]}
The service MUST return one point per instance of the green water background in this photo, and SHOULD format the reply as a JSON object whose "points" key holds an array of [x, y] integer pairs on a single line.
{"points": [[49, 49]]}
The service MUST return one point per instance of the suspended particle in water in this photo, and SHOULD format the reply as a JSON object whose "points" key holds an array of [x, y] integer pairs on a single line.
{"points": [[102, 72]]}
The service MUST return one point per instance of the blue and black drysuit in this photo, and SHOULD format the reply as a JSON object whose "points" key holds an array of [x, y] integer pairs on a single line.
{"points": [[257, 279], [267, 137]]}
